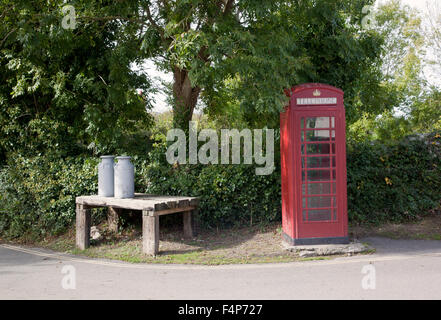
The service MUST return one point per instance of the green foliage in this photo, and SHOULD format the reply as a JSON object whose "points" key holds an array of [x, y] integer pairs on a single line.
{"points": [[230, 194], [37, 195], [285, 44], [425, 115], [391, 128], [432, 35], [395, 182], [66, 95], [262, 46], [386, 182], [63, 91], [411, 105], [387, 128]]}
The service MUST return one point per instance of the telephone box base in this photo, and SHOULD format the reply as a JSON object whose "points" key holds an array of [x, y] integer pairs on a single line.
{"points": [[314, 241]]}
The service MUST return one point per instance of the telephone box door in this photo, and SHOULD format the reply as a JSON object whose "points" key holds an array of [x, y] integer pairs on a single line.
{"points": [[319, 143]]}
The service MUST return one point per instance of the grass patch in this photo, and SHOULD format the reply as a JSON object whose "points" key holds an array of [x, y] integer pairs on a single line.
{"points": [[315, 258]]}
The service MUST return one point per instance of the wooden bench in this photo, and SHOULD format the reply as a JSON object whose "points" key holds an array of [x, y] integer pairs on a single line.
{"points": [[151, 206]]}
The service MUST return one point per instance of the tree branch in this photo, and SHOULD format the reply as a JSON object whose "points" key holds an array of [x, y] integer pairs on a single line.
{"points": [[153, 22], [5, 38], [228, 7], [110, 18]]}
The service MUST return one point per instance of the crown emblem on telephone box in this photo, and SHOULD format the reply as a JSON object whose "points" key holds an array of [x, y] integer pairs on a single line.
{"points": [[317, 93]]}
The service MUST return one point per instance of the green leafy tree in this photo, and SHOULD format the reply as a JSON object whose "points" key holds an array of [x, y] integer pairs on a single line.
{"points": [[62, 90], [247, 52], [242, 50], [403, 51], [404, 84], [425, 116], [253, 49], [432, 33]]}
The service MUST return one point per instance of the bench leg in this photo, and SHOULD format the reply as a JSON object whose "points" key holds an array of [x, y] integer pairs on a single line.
{"points": [[150, 233], [188, 225], [195, 222], [82, 227], [113, 215]]}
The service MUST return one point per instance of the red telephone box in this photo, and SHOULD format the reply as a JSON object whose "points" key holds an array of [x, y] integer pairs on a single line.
{"points": [[313, 160]]}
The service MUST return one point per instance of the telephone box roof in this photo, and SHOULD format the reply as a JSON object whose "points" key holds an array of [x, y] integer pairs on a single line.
{"points": [[306, 86]]}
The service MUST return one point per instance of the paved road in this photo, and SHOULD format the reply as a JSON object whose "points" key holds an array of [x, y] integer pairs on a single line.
{"points": [[403, 270]]}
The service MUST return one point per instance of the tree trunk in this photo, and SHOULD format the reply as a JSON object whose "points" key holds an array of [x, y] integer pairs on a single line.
{"points": [[185, 98]]}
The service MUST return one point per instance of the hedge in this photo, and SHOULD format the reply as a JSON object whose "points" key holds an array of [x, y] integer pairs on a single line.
{"points": [[396, 182], [38, 195], [386, 182]]}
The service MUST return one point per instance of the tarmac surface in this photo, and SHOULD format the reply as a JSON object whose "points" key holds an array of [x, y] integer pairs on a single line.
{"points": [[400, 269]]}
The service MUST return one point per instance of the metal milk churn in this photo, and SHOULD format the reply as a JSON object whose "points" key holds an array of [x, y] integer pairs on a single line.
{"points": [[124, 178], [106, 176]]}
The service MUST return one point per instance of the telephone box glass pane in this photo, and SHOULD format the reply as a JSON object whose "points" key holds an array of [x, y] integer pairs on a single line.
{"points": [[320, 202], [316, 188], [317, 162], [322, 148], [315, 135], [318, 215], [318, 123], [319, 175]]}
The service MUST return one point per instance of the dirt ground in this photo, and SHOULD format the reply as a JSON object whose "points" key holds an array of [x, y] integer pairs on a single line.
{"points": [[427, 228], [253, 244]]}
